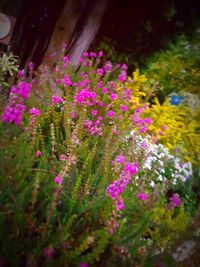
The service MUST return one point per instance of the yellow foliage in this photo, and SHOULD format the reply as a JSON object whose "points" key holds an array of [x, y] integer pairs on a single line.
{"points": [[181, 127], [167, 224]]}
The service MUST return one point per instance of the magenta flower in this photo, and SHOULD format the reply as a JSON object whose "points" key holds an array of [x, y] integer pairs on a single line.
{"points": [[66, 80], [121, 78], [20, 73], [148, 121], [104, 90], [113, 96], [124, 67], [62, 157], [34, 112], [72, 115], [119, 204], [141, 196], [94, 112], [83, 264], [56, 99], [123, 108], [58, 180], [38, 154], [108, 66], [119, 159], [13, 113], [175, 200], [110, 113], [100, 54], [85, 54]]}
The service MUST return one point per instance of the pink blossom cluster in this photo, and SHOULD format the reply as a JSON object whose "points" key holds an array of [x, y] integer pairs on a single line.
{"points": [[66, 80], [56, 99], [122, 77], [13, 113], [94, 128], [141, 196], [141, 123], [15, 107], [86, 97], [34, 112], [115, 189], [175, 201], [22, 89]]}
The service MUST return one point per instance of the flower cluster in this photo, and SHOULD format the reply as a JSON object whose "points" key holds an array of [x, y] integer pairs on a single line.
{"points": [[155, 159], [115, 189], [15, 107]]}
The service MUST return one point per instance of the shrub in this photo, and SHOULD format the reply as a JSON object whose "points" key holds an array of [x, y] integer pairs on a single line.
{"points": [[69, 188]]}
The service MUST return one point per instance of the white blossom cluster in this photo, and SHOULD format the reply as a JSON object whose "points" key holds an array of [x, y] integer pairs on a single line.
{"points": [[156, 161]]}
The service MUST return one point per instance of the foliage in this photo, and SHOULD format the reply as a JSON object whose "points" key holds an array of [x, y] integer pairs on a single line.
{"points": [[8, 67], [176, 68], [70, 191]]}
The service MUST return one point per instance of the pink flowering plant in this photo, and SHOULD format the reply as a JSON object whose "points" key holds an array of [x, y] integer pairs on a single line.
{"points": [[70, 189]]}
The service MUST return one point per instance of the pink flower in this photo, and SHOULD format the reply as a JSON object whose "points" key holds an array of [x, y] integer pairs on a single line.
{"points": [[100, 54], [94, 112], [83, 264], [65, 59], [38, 154], [122, 77], [101, 104], [104, 90], [93, 54], [20, 73], [175, 200], [148, 121], [62, 157], [141, 196], [123, 108], [85, 54], [66, 80], [119, 204], [119, 159], [72, 115], [110, 113], [108, 66], [34, 112], [138, 110], [124, 67], [58, 180], [56, 99], [113, 96], [99, 84]]}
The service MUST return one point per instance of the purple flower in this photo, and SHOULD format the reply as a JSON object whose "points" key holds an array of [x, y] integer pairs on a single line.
{"points": [[34, 112], [108, 66], [94, 112], [62, 157], [85, 54], [100, 54], [110, 113], [175, 200], [58, 180], [119, 159], [123, 108], [38, 154], [56, 99], [119, 204], [66, 80], [83, 264], [113, 96], [141, 196]]}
